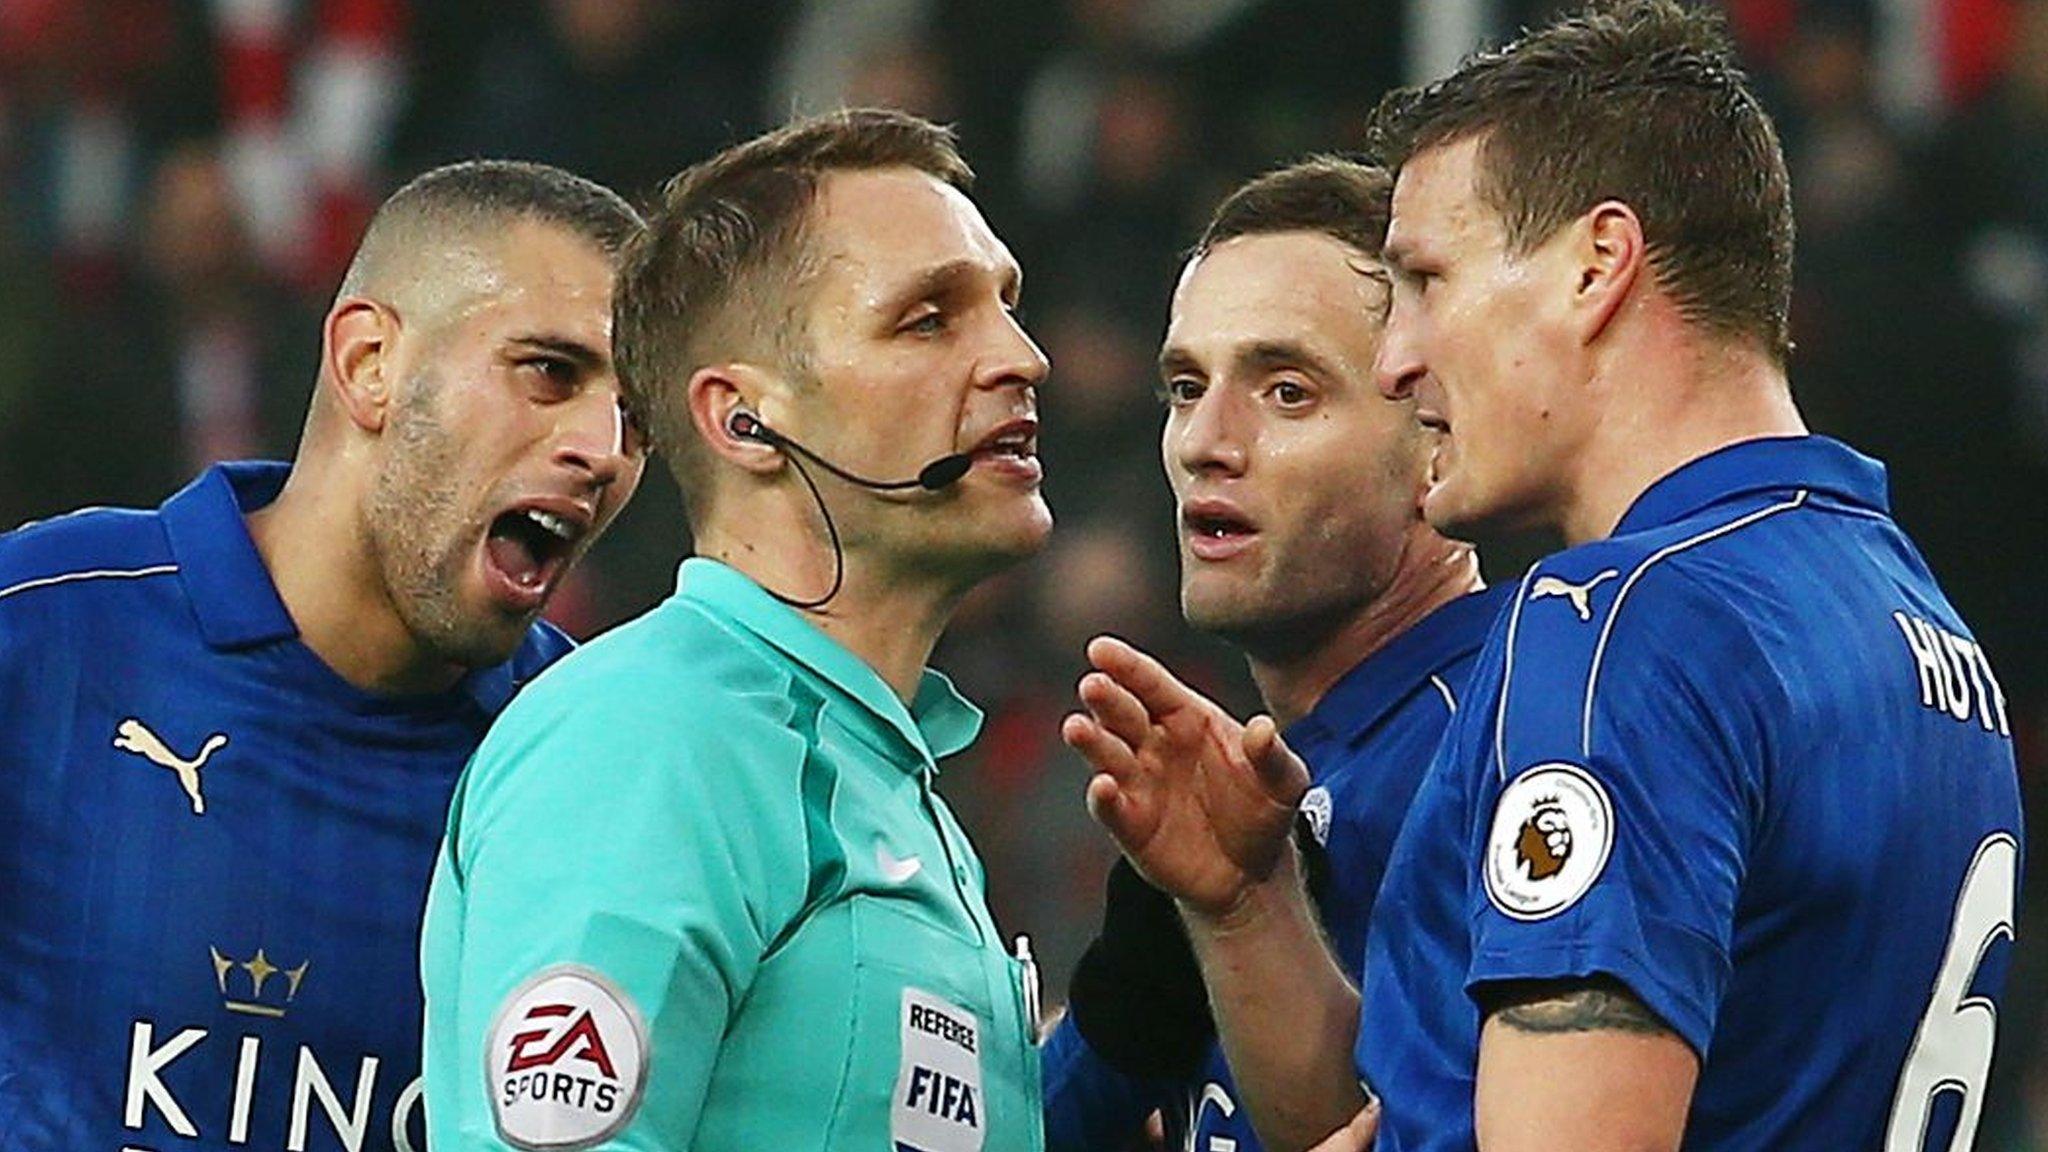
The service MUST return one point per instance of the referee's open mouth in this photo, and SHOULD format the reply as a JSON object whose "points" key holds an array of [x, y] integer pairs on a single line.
{"points": [[529, 547]]}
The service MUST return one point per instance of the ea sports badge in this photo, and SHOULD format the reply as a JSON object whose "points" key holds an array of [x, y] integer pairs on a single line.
{"points": [[565, 1061], [1552, 831]]}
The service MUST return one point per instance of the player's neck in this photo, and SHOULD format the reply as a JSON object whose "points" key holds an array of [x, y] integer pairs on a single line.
{"points": [[1292, 678], [1649, 428], [318, 564]]}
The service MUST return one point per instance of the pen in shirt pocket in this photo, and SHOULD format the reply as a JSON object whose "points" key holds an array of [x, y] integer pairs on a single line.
{"points": [[1033, 1002]]}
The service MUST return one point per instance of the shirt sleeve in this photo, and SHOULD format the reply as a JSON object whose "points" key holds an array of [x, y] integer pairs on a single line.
{"points": [[603, 854], [1615, 819]]}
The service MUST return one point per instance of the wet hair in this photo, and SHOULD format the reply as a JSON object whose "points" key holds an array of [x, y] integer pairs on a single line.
{"points": [[1639, 101], [1343, 199]]}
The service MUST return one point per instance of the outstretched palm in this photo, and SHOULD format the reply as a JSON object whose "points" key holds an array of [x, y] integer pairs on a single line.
{"points": [[1201, 804]]}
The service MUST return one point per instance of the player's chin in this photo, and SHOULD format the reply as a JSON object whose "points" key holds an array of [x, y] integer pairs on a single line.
{"points": [[1219, 603], [485, 640], [1449, 508], [993, 548], [1021, 527], [494, 624]]}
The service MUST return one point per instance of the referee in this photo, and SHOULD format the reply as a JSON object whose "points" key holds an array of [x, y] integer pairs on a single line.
{"points": [[697, 890]]}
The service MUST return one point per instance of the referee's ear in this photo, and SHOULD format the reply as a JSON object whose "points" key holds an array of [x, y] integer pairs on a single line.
{"points": [[356, 369], [718, 394]]}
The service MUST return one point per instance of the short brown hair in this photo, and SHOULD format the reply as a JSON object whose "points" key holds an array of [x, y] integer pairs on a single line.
{"points": [[1634, 100], [1339, 198], [714, 274]]}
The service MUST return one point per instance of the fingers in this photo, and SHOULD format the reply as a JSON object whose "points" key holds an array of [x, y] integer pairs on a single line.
{"points": [[1280, 771], [1103, 749], [1156, 689], [1115, 708], [1104, 800], [1120, 814], [1113, 762]]}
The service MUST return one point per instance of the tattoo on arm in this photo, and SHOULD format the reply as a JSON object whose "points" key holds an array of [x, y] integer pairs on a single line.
{"points": [[1596, 1004]]}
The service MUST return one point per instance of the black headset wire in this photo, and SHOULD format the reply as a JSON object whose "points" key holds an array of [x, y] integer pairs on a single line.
{"points": [[831, 533]]}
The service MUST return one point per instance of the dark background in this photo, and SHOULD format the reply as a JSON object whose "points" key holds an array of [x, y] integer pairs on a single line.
{"points": [[182, 181]]}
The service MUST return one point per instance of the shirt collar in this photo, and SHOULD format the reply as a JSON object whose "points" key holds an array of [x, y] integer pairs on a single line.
{"points": [[1816, 463], [1376, 685], [230, 589], [225, 579], [938, 723], [492, 688]]}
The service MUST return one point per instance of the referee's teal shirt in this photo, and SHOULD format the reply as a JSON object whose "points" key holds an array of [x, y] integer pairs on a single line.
{"points": [[697, 892]]}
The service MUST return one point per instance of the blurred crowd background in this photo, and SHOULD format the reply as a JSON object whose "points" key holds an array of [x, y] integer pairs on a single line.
{"points": [[182, 182]]}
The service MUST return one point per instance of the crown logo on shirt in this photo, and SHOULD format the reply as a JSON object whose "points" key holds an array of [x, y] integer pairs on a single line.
{"points": [[265, 998]]}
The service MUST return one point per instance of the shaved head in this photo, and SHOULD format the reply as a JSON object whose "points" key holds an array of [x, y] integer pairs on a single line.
{"points": [[429, 248], [437, 247]]}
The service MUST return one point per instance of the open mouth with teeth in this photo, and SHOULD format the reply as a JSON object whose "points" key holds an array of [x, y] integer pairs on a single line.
{"points": [[1019, 445], [529, 547]]}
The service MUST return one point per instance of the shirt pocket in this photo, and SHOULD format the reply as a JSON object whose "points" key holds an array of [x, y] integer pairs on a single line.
{"points": [[930, 1048]]}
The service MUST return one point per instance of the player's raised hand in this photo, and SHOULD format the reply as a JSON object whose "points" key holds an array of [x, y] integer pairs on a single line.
{"points": [[1201, 804]]}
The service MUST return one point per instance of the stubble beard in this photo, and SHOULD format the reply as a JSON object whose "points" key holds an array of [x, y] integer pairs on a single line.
{"points": [[416, 535], [1284, 614]]}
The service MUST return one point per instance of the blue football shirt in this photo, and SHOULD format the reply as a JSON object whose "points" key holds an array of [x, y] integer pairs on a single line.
{"points": [[1743, 756], [1367, 743], [213, 850]]}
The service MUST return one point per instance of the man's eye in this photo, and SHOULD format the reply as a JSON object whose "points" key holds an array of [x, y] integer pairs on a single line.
{"points": [[1290, 394], [929, 324], [551, 370], [1180, 391]]}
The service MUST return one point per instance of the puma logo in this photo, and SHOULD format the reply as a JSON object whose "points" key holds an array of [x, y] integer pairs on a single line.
{"points": [[131, 736], [1581, 595]]}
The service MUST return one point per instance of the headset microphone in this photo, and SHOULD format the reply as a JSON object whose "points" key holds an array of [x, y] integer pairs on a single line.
{"points": [[938, 475], [933, 477]]}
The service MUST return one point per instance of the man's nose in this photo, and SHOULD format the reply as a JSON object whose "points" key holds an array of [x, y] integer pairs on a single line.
{"points": [[593, 438], [1398, 366], [1204, 437]]}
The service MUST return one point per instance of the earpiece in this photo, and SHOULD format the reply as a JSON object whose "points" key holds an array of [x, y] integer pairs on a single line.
{"points": [[933, 477], [746, 426]]}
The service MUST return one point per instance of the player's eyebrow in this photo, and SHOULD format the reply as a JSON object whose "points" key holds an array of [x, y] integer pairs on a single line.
{"points": [[1273, 355], [940, 279], [1398, 258], [1257, 358], [575, 351], [1176, 361]]}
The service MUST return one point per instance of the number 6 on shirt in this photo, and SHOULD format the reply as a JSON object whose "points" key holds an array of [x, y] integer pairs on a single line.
{"points": [[1952, 1050]]}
